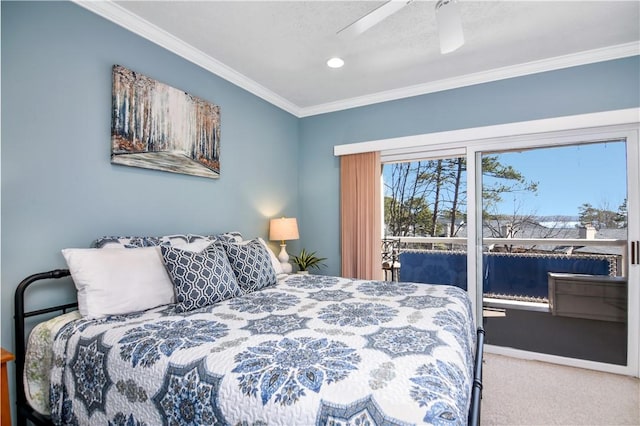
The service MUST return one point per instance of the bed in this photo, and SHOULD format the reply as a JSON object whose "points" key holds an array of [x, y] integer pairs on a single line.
{"points": [[304, 350]]}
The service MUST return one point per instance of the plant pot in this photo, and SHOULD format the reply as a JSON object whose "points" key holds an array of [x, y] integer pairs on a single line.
{"points": [[303, 272]]}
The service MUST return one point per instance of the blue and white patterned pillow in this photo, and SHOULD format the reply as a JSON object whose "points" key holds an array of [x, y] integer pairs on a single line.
{"points": [[200, 279], [251, 264], [231, 237], [179, 240], [130, 242]]}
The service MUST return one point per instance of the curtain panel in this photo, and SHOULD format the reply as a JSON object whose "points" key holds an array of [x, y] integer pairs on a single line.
{"points": [[360, 215]]}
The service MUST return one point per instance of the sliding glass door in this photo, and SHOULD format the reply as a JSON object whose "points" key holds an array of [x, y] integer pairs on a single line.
{"points": [[554, 237], [541, 227], [556, 219], [425, 215]]}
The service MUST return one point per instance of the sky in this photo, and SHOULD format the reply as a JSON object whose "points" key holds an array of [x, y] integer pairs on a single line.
{"points": [[567, 177]]}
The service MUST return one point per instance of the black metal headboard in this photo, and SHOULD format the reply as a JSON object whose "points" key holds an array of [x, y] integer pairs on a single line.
{"points": [[24, 411]]}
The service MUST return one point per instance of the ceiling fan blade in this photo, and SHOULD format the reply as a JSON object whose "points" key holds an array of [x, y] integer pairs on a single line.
{"points": [[374, 17], [449, 26]]}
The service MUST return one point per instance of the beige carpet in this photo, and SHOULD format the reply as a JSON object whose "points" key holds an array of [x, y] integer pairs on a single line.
{"points": [[519, 392]]}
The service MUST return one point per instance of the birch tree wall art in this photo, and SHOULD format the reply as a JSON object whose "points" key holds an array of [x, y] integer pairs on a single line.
{"points": [[155, 126]]}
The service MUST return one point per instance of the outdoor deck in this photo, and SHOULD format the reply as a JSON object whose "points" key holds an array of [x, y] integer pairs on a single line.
{"points": [[517, 309]]}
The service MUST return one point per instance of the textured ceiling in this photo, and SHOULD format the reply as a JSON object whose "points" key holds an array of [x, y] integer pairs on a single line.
{"points": [[283, 46]]}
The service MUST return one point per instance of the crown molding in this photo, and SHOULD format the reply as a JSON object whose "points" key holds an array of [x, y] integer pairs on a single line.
{"points": [[550, 64], [134, 23]]}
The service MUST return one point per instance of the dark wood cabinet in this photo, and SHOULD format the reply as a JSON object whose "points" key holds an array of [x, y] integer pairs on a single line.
{"points": [[4, 389]]}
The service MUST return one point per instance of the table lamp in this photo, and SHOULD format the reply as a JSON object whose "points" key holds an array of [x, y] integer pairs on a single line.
{"points": [[284, 228]]}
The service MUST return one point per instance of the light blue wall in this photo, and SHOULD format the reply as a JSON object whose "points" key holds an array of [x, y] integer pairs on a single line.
{"points": [[58, 186], [590, 88]]}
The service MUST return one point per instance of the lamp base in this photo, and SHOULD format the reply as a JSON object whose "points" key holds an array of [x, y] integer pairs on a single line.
{"points": [[286, 268], [283, 257]]}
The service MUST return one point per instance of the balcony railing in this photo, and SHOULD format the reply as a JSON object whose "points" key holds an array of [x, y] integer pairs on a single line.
{"points": [[519, 276], [585, 317]]}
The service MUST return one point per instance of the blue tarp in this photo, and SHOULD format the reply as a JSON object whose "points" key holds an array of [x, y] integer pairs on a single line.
{"points": [[434, 268], [517, 275]]}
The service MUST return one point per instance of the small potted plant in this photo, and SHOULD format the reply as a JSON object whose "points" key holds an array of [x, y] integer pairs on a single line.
{"points": [[305, 261]]}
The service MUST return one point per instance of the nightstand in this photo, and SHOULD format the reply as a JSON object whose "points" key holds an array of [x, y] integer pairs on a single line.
{"points": [[5, 412]]}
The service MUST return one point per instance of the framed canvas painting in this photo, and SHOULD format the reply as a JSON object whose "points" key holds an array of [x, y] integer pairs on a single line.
{"points": [[156, 126]]}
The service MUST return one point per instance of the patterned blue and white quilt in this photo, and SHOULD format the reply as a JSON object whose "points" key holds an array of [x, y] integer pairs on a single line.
{"points": [[311, 350]]}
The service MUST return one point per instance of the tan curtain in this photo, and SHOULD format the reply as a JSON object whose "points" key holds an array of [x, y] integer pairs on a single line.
{"points": [[360, 215]]}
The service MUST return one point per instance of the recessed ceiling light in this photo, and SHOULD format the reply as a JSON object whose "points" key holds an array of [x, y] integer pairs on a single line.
{"points": [[335, 63]]}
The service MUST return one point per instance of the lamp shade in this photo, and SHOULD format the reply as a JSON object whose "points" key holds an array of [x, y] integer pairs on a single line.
{"points": [[284, 228]]}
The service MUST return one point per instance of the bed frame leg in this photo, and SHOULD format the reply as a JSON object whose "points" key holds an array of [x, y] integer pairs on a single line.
{"points": [[476, 389]]}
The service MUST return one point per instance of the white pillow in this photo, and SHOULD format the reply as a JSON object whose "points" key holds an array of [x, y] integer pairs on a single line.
{"points": [[274, 259], [119, 280]]}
